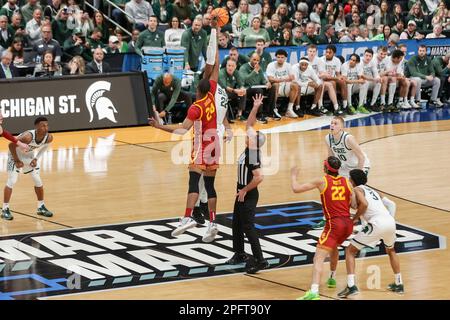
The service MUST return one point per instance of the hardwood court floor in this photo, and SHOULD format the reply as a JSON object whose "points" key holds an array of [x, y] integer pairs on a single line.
{"points": [[124, 175]]}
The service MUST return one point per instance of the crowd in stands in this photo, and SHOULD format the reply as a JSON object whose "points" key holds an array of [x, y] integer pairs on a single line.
{"points": [[67, 37]]}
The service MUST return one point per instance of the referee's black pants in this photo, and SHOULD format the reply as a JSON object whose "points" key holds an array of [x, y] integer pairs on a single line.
{"points": [[244, 223]]}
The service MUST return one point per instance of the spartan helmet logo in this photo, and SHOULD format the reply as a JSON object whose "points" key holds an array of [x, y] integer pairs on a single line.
{"points": [[103, 105]]}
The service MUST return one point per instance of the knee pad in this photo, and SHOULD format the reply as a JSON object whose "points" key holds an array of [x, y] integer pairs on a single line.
{"points": [[209, 186], [35, 174], [194, 178], [12, 179]]}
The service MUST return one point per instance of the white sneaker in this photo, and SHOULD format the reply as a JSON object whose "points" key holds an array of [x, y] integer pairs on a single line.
{"points": [[405, 105], [185, 224], [211, 232], [438, 103], [413, 104], [275, 111], [291, 114]]}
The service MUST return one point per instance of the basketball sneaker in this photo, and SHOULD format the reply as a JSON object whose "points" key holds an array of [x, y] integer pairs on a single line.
{"points": [[185, 224], [309, 295], [398, 288], [197, 215], [257, 266], [348, 291], [331, 283], [414, 105], [211, 232], [362, 109], [6, 214], [237, 259], [276, 114], [319, 225], [351, 110], [291, 114], [43, 211]]}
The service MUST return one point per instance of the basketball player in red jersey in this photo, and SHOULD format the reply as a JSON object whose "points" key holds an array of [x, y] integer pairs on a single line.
{"points": [[8, 136], [202, 116], [336, 196]]}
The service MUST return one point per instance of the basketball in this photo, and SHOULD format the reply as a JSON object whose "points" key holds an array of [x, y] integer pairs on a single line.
{"points": [[222, 16]]}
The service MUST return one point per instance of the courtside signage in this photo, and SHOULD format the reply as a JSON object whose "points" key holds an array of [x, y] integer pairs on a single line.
{"points": [[72, 261]]}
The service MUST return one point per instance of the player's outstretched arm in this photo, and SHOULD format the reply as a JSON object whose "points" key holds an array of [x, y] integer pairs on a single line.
{"points": [[157, 123], [353, 145], [299, 188], [211, 70]]}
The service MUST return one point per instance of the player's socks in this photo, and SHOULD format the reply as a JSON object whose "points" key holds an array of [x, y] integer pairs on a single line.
{"points": [[398, 279], [40, 204], [383, 99], [188, 212], [212, 216], [332, 274], [350, 280], [5, 206], [344, 104], [315, 288]]}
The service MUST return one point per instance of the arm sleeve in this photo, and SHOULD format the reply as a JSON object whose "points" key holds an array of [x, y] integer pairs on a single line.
{"points": [[8, 136], [212, 48]]}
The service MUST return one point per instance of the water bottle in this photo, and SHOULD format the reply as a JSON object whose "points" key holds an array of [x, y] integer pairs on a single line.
{"points": [[169, 117], [38, 59]]}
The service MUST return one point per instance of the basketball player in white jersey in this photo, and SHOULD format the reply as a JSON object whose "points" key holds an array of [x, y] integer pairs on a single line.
{"points": [[379, 214], [280, 75], [38, 141], [344, 146], [224, 131], [373, 80], [353, 72]]}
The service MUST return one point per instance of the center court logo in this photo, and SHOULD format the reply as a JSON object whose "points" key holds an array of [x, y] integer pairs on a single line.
{"points": [[144, 253], [96, 101]]}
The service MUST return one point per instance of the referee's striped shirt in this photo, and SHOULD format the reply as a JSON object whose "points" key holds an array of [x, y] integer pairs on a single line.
{"points": [[248, 161]]}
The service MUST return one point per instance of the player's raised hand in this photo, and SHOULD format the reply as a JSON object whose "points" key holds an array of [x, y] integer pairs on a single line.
{"points": [[258, 100]]}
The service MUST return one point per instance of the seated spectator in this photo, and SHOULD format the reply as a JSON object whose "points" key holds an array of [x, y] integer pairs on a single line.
{"points": [[47, 43], [297, 35], [230, 80], [397, 15], [17, 51], [310, 36], [242, 19], [48, 66], [384, 36], [309, 83], [352, 35], [266, 14], [287, 37], [166, 91], [355, 17], [398, 28], [77, 46], [255, 7], [410, 32], [316, 15], [340, 23], [123, 45], [281, 76], [173, 34], [182, 10], [6, 34], [250, 35], [151, 37], [383, 16], [97, 65], [76, 66], [82, 21], [132, 43], [282, 13], [139, 13], [422, 71], [33, 27], [27, 11], [275, 31], [99, 23], [437, 32], [206, 23], [231, 8], [113, 45], [328, 35], [51, 10], [7, 69], [234, 55], [363, 34], [256, 83], [95, 40], [197, 8], [264, 56], [441, 69], [9, 9], [224, 40], [416, 14], [18, 25], [60, 28]]}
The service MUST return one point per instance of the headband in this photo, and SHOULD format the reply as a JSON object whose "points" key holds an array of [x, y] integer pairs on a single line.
{"points": [[330, 168]]}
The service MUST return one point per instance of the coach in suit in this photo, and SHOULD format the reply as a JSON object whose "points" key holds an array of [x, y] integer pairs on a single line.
{"points": [[97, 65], [6, 33], [7, 70]]}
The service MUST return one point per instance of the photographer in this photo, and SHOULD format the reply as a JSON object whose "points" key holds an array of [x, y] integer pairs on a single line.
{"points": [[77, 46], [51, 11], [59, 26]]}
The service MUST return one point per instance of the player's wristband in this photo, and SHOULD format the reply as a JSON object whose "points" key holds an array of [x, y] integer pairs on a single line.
{"points": [[8, 136]]}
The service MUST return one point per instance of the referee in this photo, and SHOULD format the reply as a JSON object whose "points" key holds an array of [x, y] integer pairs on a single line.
{"points": [[249, 177]]}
